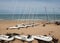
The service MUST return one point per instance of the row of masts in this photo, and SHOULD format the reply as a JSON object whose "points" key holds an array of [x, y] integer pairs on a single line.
{"points": [[29, 10], [33, 14]]}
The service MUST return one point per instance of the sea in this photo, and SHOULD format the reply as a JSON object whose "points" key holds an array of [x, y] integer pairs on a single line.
{"points": [[30, 17]]}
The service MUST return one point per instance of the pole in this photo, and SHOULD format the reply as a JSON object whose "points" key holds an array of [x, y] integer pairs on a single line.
{"points": [[54, 14], [46, 14]]}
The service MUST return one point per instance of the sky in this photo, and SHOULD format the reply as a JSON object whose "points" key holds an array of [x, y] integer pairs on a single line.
{"points": [[29, 6]]}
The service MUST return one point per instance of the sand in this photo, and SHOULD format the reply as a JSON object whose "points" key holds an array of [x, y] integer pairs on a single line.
{"points": [[36, 30]]}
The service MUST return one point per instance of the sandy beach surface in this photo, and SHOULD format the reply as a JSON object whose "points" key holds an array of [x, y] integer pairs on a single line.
{"points": [[36, 30]]}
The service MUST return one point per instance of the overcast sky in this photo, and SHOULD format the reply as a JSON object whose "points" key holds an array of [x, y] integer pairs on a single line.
{"points": [[29, 6]]}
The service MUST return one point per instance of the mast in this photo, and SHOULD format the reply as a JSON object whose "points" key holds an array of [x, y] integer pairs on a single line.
{"points": [[46, 14], [28, 15], [25, 14], [54, 14], [21, 14], [14, 10], [33, 15]]}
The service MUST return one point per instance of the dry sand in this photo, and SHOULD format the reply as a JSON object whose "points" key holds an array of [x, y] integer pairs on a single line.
{"points": [[37, 30]]}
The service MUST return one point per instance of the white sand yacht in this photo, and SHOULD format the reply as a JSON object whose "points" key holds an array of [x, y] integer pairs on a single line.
{"points": [[25, 25], [3, 36], [21, 26], [25, 38], [6, 38], [44, 38], [13, 27]]}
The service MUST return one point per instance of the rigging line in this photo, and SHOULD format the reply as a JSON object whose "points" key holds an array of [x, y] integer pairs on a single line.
{"points": [[14, 9]]}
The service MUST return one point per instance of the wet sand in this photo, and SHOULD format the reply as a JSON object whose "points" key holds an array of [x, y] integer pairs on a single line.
{"points": [[36, 30]]}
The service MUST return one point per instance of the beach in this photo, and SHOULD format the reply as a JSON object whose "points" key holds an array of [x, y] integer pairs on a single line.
{"points": [[36, 30]]}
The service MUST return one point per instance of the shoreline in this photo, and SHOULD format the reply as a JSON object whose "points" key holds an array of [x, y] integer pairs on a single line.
{"points": [[29, 19]]}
